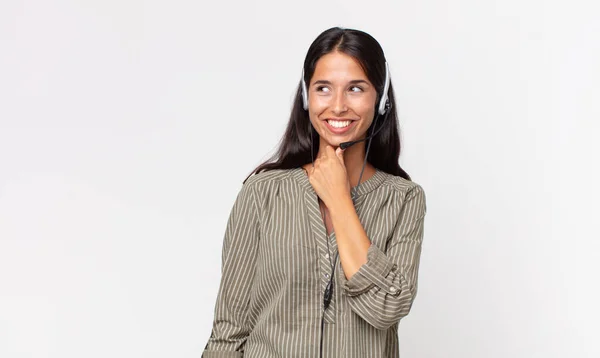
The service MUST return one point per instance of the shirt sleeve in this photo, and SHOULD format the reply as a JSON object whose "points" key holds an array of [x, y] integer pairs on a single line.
{"points": [[231, 325], [383, 289]]}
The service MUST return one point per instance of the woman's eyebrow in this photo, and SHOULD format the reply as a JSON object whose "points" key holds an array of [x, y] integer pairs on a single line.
{"points": [[353, 82]]}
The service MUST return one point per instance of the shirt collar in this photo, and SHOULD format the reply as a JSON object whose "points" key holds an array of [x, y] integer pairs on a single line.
{"points": [[365, 187]]}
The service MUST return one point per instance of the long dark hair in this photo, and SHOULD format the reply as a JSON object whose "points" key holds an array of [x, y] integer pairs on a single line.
{"points": [[294, 147]]}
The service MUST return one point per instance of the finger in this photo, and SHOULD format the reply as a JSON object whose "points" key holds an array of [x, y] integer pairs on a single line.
{"points": [[340, 154], [329, 150]]}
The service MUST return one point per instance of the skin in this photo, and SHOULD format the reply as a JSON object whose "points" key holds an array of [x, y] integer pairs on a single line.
{"points": [[339, 88]]}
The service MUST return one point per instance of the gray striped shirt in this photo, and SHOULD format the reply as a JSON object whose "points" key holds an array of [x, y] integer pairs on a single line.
{"points": [[276, 265]]}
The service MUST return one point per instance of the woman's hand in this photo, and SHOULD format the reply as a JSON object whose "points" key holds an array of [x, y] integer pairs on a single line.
{"points": [[329, 178]]}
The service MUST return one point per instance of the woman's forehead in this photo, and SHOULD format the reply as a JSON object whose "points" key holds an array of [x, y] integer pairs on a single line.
{"points": [[337, 66]]}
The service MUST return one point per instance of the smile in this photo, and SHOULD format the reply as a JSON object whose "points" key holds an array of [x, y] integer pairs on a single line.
{"points": [[339, 127]]}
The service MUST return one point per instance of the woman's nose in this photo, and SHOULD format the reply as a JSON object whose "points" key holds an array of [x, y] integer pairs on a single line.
{"points": [[339, 103]]}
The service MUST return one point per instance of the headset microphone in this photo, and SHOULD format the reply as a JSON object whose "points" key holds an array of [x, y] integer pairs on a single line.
{"points": [[345, 145]]}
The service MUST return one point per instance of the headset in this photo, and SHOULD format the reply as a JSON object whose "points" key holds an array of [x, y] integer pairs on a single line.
{"points": [[382, 109]]}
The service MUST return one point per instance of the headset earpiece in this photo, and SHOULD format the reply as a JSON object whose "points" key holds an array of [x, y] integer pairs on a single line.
{"points": [[304, 93], [384, 103]]}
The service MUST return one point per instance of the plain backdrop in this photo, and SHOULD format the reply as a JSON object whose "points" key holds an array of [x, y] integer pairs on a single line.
{"points": [[127, 128]]}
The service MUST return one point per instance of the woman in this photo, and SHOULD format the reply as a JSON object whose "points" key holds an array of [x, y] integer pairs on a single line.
{"points": [[321, 254]]}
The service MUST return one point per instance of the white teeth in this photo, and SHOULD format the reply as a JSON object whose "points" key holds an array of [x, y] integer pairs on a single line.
{"points": [[339, 124]]}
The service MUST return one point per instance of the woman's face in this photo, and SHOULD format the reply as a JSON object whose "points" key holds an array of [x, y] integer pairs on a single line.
{"points": [[341, 100]]}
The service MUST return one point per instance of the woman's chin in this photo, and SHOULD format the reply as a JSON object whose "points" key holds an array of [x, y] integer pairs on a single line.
{"points": [[336, 139], [335, 142]]}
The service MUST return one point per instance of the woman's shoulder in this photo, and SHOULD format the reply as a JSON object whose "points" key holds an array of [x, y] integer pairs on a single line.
{"points": [[402, 185], [404, 191], [267, 184], [268, 177]]}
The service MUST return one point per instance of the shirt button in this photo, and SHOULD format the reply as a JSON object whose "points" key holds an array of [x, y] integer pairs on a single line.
{"points": [[326, 275], [326, 256], [393, 289]]}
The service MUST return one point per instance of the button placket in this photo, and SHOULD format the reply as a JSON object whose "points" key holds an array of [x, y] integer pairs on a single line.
{"points": [[325, 269]]}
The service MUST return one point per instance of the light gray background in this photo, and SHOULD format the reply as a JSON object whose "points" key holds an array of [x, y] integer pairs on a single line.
{"points": [[127, 127]]}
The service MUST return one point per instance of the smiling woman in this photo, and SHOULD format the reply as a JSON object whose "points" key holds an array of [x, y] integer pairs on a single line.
{"points": [[341, 99], [283, 291]]}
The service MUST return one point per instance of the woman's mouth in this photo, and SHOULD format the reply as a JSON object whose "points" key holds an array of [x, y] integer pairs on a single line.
{"points": [[339, 127]]}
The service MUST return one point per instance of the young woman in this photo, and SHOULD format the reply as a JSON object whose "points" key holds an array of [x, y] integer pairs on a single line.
{"points": [[322, 247]]}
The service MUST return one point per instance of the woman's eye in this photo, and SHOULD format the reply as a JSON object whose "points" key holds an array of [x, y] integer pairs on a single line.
{"points": [[356, 89], [322, 89]]}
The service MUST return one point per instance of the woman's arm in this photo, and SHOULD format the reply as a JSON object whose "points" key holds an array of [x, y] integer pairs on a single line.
{"points": [[381, 289], [240, 246]]}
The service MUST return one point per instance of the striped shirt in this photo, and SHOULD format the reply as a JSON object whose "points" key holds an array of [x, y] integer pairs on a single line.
{"points": [[276, 264]]}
